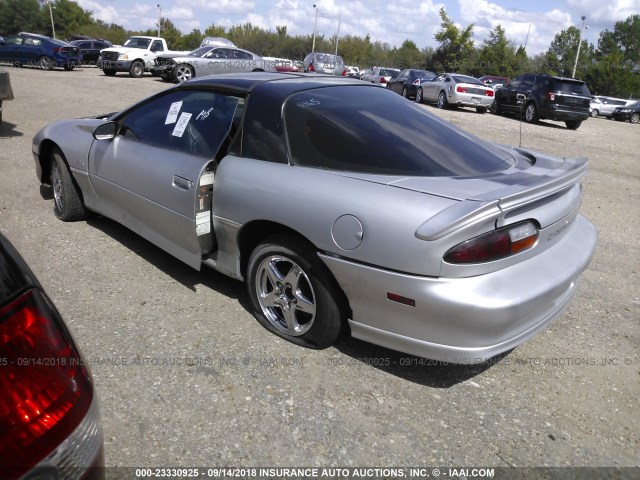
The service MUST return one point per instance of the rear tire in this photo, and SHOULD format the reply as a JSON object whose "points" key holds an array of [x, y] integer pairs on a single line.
{"points": [[634, 118], [495, 108], [594, 113], [405, 94], [419, 95], [292, 294], [69, 67], [67, 199], [109, 73], [573, 124]]}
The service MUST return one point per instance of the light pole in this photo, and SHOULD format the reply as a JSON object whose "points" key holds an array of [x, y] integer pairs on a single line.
{"points": [[315, 28], [575, 65], [159, 17], [338, 34], [53, 28]]}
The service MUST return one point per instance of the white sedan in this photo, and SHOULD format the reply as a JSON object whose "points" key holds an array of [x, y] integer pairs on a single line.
{"points": [[456, 90]]}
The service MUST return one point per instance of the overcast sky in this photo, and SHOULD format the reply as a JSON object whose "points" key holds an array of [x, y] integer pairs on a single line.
{"points": [[390, 21]]}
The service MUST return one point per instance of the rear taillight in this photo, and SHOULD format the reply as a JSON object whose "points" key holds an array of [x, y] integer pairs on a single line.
{"points": [[489, 93], [58, 49], [311, 69], [344, 73], [461, 89], [383, 80], [551, 96], [416, 82], [47, 402], [495, 245]]}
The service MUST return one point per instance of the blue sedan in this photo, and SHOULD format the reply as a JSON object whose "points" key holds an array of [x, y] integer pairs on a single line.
{"points": [[39, 50]]}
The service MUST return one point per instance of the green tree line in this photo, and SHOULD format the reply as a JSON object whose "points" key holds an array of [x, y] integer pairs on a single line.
{"points": [[612, 67]]}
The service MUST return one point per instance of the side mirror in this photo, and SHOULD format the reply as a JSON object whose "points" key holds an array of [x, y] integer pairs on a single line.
{"points": [[106, 131]]}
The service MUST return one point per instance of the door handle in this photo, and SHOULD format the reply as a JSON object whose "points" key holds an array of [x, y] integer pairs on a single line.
{"points": [[181, 182]]}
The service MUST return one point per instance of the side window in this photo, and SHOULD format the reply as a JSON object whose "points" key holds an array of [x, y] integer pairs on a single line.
{"points": [[196, 122], [527, 82], [157, 46], [516, 83], [13, 41], [32, 42]]}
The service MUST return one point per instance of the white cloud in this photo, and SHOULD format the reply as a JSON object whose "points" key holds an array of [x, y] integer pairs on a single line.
{"points": [[605, 14], [487, 15]]}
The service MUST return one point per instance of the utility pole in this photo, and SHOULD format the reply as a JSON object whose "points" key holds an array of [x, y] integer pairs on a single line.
{"points": [[159, 18], [575, 65]]}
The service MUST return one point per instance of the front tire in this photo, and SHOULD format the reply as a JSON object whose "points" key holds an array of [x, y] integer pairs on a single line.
{"points": [[634, 118], [594, 113], [419, 95], [531, 113], [292, 294], [183, 73], [68, 204], [137, 69], [442, 100], [495, 107]]}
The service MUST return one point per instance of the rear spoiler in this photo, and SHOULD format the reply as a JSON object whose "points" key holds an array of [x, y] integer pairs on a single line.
{"points": [[498, 202]]}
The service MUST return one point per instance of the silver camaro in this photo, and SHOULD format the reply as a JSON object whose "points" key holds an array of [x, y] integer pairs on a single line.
{"points": [[456, 90], [343, 207]]}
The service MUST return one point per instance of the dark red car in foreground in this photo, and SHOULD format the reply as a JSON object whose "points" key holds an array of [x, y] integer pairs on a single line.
{"points": [[49, 417]]}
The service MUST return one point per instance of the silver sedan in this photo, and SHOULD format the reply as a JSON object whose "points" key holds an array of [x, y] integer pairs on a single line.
{"points": [[456, 90], [344, 208], [218, 61]]}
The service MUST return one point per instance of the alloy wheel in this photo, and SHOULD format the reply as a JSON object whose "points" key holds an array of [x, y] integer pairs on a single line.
{"points": [[285, 295]]}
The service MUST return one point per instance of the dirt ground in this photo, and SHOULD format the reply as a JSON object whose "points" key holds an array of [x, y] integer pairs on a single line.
{"points": [[187, 377]]}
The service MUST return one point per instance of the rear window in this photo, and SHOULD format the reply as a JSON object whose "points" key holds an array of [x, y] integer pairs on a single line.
{"points": [[568, 86], [371, 130], [465, 79], [386, 72]]}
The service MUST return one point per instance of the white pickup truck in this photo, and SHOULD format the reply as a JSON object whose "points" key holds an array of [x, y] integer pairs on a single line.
{"points": [[135, 56]]}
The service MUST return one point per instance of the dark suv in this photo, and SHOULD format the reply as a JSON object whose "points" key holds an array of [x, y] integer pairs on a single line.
{"points": [[90, 49], [538, 96]]}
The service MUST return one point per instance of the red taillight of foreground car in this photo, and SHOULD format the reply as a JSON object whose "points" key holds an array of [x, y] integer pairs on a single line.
{"points": [[383, 80], [344, 73], [489, 93], [311, 69], [46, 391], [495, 245], [461, 89], [416, 82], [551, 96]]}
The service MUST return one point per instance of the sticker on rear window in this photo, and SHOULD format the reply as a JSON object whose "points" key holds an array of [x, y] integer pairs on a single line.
{"points": [[180, 127], [174, 109]]}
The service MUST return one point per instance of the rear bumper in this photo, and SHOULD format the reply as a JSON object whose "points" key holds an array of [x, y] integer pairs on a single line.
{"points": [[466, 320], [557, 113]]}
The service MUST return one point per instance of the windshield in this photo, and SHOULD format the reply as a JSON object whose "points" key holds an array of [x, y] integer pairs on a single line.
{"points": [[199, 52], [138, 43], [371, 130]]}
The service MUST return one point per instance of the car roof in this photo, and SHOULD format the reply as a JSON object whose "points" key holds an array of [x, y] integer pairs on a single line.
{"points": [[284, 82]]}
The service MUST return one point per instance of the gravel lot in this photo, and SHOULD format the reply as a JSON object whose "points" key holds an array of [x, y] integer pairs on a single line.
{"points": [[211, 387]]}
